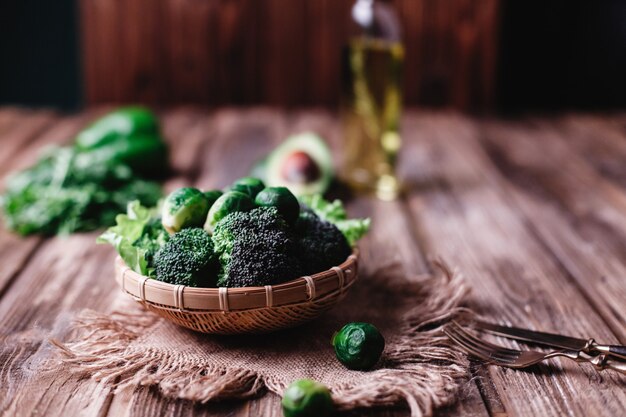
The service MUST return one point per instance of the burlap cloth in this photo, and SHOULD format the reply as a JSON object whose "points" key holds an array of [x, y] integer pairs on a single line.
{"points": [[418, 368]]}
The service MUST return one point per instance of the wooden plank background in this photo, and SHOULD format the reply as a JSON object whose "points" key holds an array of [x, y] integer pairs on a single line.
{"points": [[533, 212], [280, 52]]}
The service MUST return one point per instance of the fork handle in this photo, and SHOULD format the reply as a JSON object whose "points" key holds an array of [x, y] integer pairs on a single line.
{"points": [[602, 362], [617, 351], [615, 366]]}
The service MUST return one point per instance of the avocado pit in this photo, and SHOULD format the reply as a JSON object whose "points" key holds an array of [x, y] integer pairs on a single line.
{"points": [[300, 168]]}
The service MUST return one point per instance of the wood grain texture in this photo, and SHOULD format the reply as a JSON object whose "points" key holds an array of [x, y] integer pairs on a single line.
{"points": [[30, 134], [601, 141], [9, 116], [579, 214], [531, 212], [37, 307], [280, 52], [469, 218], [25, 130]]}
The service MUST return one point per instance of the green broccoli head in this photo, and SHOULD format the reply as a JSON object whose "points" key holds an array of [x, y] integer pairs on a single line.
{"points": [[321, 244], [187, 259], [255, 248]]}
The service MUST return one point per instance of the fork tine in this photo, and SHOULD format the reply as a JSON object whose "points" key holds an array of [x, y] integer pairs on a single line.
{"points": [[479, 347], [474, 349], [501, 349], [468, 348]]}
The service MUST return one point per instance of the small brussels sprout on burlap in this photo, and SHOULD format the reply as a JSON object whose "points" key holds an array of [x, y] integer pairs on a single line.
{"points": [[307, 398], [358, 346]]}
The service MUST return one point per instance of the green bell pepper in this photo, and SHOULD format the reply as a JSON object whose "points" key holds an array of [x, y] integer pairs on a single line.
{"points": [[145, 155], [122, 123], [129, 135]]}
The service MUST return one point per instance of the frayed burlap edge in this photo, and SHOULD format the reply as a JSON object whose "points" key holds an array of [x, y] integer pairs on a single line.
{"points": [[420, 367]]}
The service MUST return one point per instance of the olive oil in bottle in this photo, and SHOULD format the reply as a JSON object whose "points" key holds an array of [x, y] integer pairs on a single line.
{"points": [[371, 101]]}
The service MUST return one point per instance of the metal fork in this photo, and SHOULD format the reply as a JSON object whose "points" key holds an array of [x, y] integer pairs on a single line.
{"points": [[513, 358]]}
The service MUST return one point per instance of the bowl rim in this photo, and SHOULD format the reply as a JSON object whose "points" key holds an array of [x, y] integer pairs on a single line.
{"points": [[303, 289]]}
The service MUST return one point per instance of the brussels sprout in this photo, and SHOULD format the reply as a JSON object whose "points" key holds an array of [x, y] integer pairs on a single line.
{"points": [[248, 185], [229, 202], [281, 198], [358, 345], [212, 196], [307, 398], [184, 207]]}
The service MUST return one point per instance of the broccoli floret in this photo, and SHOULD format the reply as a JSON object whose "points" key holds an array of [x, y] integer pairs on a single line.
{"points": [[188, 259], [321, 244], [255, 248]]}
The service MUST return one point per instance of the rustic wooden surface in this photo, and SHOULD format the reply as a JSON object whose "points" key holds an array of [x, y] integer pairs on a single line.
{"points": [[532, 211], [278, 52]]}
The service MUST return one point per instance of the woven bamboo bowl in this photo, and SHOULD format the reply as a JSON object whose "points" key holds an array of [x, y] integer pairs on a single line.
{"points": [[241, 310]]}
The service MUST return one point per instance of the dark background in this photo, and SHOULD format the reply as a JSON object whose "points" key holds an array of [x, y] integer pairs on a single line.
{"points": [[547, 55], [40, 53], [563, 54]]}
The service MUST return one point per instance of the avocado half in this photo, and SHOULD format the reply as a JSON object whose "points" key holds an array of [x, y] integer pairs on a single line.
{"points": [[303, 163]]}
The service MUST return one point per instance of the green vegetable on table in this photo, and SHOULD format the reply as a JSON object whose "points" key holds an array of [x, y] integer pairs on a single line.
{"points": [[248, 185], [184, 207], [243, 242], [358, 346], [335, 213], [212, 196], [321, 244], [84, 186], [281, 198], [124, 122], [187, 258], [136, 237], [255, 248], [147, 155], [229, 202], [129, 135], [307, 398]]}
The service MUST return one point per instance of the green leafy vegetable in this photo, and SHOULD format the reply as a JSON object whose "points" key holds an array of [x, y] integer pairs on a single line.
{"points": [[80, 188], [137, 236], [334, 212]]}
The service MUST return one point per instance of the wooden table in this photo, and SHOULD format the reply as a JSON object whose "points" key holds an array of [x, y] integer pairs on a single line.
{"points": [[532, 211]]}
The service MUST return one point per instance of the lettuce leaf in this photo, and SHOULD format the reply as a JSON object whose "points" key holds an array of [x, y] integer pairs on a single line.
{"points": [[136, 236], [334, 212]]}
